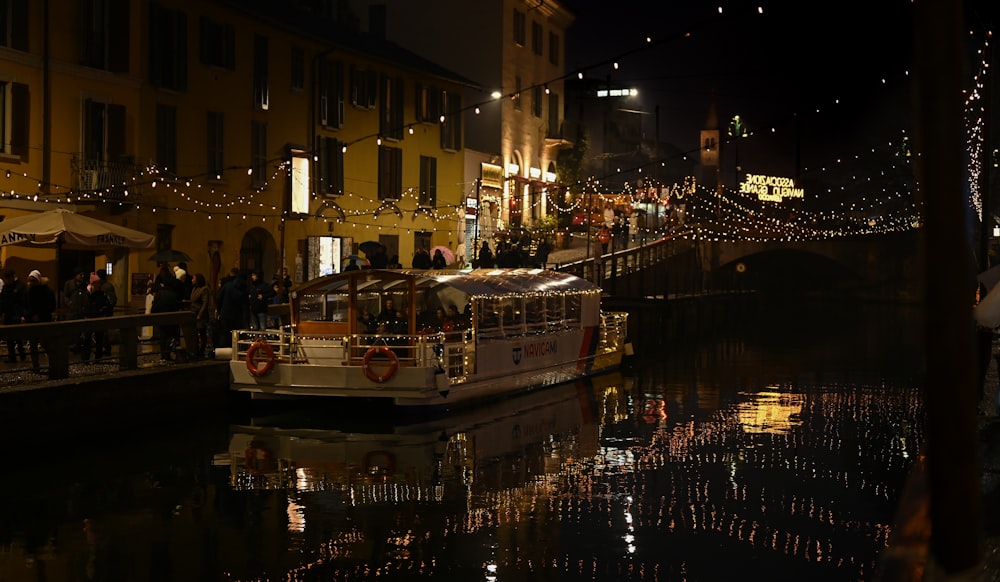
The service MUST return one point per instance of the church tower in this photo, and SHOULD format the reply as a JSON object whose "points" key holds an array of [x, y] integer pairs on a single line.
{"points": [[710, 146]]}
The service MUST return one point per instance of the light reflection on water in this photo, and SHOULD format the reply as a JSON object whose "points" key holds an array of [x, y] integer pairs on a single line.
{"points": [[774, 461]]}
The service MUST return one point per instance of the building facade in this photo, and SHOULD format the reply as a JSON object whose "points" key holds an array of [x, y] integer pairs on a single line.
{"points": [[514, 50], [253, 135]]}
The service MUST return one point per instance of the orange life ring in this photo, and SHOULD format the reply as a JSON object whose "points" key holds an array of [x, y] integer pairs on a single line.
{"points": [[371, 353], [268, 358]]}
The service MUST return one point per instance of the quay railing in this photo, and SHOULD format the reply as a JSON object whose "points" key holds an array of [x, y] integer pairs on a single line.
{"points": [[56, 338]]}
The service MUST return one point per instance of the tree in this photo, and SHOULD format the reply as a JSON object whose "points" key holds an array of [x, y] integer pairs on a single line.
{"points": [[569, 173]]}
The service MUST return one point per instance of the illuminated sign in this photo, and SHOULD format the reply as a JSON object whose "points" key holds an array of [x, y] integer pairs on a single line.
{"points": [[770, 188], [471, 207], [492, 175]]}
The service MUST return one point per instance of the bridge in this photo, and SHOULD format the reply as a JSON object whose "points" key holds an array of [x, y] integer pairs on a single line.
{"points": [[685, 264]]}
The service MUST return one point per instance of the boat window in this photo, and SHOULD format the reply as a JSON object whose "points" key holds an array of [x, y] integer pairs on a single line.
{"points": [[534, 312], [512, 310], [554, 310], [573, 308], [487, 317], [311, 308], [337, 307]]}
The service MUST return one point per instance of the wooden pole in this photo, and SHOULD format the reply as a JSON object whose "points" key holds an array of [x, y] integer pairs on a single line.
{"points": [[953, 468]]}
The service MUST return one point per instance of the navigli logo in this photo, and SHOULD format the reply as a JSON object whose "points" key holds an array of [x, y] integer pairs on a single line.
{"points": [[516, 355], [534, 350]]}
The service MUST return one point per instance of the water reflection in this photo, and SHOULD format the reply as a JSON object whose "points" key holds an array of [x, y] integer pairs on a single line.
{"points": [[736, 461]]}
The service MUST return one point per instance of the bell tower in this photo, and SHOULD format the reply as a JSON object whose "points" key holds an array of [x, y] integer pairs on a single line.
{"points": [[710, 145]]}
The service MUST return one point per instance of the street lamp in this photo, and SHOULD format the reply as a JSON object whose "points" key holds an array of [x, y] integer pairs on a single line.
{"points": [[736, 131]]}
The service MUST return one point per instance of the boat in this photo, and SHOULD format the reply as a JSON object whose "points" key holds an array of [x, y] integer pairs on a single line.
{"points": [[367, 334]]}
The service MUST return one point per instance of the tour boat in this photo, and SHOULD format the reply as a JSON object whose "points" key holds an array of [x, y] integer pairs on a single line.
{"points": [[370, 334]]}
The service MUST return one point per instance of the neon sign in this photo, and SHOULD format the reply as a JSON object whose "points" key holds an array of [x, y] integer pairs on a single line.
{"points": [[770, 188]]}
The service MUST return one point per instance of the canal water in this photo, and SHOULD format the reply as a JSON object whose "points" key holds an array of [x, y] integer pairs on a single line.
{"points": [[775, 448]]}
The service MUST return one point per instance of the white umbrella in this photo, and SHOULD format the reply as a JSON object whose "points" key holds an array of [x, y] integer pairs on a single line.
{"points": [[63, 226], [987, 312]]}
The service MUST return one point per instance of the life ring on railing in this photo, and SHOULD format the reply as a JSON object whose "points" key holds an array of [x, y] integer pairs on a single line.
{"points": [[366, 364], [267, 357], [379, 464]]}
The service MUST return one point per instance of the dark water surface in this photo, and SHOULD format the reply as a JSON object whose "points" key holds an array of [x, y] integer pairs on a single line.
{"points": [[777, 451]]}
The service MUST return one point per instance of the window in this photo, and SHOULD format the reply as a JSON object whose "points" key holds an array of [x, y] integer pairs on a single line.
{"points": [[428, 108], [536, 38], [391, 108], [428, 182], [517, 93], [451, 129], [258, 152], [104, 33], [14, 114], [553, 48], [364, 84], [260, 73], [297, 69], [331, 94], [330, 166], [167, 48], [215, 124], [536, 101], [103, 132], [519, 27], [218, 44], [14, 24], [166, 138], [390, 173]]}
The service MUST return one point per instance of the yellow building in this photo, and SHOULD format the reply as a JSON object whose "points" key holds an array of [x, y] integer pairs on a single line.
{"points": [[252, 135]]}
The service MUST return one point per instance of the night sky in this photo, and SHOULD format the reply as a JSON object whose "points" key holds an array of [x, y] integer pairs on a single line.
{"points": [[833, 74]]}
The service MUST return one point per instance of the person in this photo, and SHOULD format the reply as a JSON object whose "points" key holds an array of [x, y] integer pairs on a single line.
{"points": [[12, 305], [438, 261], [71, 287], [386, 318], [604, 237], [76, 302], [366, 322], [421, 259], [98, 305], [485, 260], [230, 301], [286, 281], [199, 306], [184, 280], [351, 266], [379, 258], [280, 296], [260, 297], [103, 348], [166, 300], [542, 252], [40, 303]]}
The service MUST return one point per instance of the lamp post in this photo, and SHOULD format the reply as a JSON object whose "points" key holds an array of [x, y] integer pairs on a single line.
{"points": [[736, 131]]}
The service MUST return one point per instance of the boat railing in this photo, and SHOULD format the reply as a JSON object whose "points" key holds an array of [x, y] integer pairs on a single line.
{"points": [[445, 349]]}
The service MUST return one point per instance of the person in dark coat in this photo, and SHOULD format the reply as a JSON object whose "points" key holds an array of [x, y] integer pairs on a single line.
{"points": [[542, 252], [379, 258], [12, 304], [438, 261], [166, 300], [421, 259], [231, 301], [40, 303], [260, 295], [485, 259]]}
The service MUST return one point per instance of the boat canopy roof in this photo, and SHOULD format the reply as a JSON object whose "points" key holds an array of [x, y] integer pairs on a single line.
{"points": [[475, 283]]}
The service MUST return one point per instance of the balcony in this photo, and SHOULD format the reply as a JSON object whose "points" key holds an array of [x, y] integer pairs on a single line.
{"points": [[112, 182]]}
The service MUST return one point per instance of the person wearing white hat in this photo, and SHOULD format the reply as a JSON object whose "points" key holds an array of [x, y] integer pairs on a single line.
{"points": [[40, 303]]}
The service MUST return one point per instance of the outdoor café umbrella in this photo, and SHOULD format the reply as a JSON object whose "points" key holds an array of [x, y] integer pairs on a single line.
{"points": [[449, 257], [63, 226], [357, 260], [369, 246]]}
